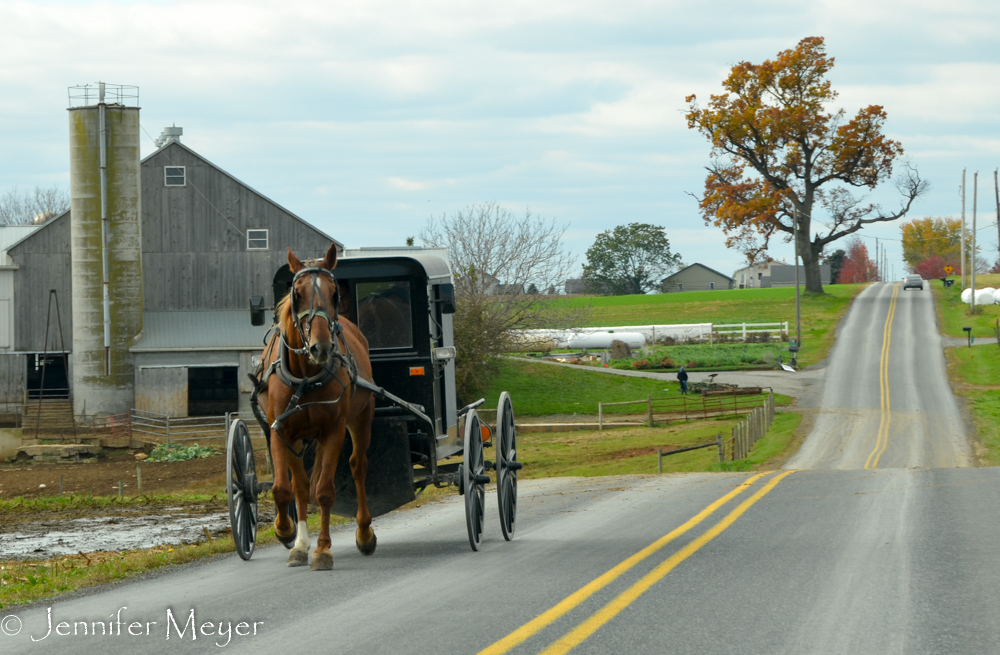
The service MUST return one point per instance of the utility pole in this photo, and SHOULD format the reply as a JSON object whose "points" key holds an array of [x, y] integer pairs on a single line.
{"points": [[996, 192], [963, 230], [877, 256], [972, 254], [798, 302]]}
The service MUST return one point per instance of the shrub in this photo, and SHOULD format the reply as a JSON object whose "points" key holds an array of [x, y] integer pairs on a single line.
{"points": [[175, 452], [667, 363], [641, 364]]}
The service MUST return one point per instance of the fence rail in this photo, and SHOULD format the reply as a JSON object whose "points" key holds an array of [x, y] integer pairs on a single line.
{"points": [[685, 408], [753, 427]]}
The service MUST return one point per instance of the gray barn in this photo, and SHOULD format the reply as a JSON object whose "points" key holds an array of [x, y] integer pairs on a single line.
{"points": [[209, 242], [696, 277]]}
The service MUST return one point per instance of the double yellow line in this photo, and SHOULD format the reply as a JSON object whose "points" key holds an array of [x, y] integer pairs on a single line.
{"points": [[589, 626], [883, 379]]}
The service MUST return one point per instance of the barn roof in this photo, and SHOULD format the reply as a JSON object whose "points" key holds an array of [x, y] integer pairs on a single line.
{"points": [[711, 270], [199, 330], [166, 148]]}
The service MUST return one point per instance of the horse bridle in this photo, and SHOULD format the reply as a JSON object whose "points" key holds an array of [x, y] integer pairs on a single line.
{"points": [[297, 317]]}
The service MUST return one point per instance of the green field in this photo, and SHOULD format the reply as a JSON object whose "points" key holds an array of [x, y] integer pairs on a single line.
{"points": [[547, 390], [633, 450], [820, 314], [975, 376], [726, 356], [953, 314]]}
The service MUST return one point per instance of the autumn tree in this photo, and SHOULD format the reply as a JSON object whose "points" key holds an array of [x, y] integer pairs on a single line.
{"points": [[857, 265], [630, 259], [781, 157], [939, 239]]}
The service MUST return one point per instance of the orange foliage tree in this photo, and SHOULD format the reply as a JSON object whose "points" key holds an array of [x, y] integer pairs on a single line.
{"points": [[857, 266], [780, 156], [924, 238]]}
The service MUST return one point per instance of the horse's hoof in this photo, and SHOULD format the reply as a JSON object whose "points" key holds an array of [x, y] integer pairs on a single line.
{"points": [[298, 558], [288, 539], [369, 548], [322, 561]]}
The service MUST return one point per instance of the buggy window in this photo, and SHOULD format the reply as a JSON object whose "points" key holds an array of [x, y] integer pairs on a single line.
{"points": [[384, 314]]}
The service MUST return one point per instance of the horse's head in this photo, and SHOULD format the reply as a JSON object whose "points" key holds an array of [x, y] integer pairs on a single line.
{"points": [[313, 302]]}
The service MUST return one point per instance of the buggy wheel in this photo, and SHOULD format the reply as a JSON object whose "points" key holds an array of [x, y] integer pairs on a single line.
{"points": [[474, 479], [507, 465], [241, 488]]}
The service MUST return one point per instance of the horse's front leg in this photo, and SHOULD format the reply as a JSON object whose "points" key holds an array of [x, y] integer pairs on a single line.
{"points": [[361, 435], [299, 555], [281, 491], [326, 494]]}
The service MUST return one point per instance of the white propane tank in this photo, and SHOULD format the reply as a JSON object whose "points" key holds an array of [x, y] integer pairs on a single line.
{"points": [[599, 340]]}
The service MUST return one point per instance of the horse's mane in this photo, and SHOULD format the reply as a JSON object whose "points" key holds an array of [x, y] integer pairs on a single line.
{"points": [[285, 315]]}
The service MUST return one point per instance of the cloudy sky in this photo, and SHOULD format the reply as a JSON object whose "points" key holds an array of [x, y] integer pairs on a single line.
{"points": [[367, 117]]}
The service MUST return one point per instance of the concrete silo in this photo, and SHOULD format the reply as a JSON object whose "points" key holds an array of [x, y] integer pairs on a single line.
{"points": [[106, 244]]}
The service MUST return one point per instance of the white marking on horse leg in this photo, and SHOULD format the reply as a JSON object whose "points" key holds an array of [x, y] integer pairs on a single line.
{"points": [[302, 538]]}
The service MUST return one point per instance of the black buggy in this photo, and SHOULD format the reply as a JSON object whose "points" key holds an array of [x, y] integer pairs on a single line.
{"points": [[403, 301]]}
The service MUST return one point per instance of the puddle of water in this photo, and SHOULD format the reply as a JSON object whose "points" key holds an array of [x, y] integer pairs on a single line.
{"points": [[108, 533]]}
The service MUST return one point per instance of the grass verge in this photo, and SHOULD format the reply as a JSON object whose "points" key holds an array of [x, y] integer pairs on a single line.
{"points": [[975, 376], [546, 390], [820, 313], [953, 314], [633, 450]]}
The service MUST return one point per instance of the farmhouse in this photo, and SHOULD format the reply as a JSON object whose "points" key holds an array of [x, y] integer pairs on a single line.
{"points": [[176, 329], [696, 277]]}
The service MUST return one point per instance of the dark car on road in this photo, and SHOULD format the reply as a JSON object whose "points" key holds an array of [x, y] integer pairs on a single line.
{"points": [[914, 282]]}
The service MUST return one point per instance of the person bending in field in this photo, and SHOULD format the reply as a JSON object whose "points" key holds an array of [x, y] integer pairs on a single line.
{"points": [[682, 375]]}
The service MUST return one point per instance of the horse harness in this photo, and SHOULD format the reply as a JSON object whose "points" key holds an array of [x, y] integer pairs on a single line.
{"points": [[303, 325]]}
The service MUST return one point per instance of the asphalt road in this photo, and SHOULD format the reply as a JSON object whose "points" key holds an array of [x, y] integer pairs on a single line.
{"points": [[885, 401], [895, 558]]}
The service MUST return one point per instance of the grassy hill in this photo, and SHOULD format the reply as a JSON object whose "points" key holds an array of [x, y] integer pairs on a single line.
{"points": [[820, 314]]}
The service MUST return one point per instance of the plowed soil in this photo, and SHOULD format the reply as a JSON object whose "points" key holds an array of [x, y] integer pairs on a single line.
{"points": [[100, 477]]}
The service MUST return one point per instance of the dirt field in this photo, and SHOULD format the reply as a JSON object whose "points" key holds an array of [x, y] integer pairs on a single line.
{"points": [[100, 478]]}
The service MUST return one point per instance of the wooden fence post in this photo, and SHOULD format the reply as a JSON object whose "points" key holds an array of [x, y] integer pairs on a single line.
{"points": [[649, 403], [659, 461], [722, 453], [600, 416]]}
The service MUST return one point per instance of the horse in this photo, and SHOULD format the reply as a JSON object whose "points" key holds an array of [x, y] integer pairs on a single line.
{"points": [[309, 386]]}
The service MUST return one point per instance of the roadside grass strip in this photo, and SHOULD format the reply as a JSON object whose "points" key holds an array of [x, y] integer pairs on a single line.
{"points": [[953, 314], [572, 601], [579, 634], [883, 378]]}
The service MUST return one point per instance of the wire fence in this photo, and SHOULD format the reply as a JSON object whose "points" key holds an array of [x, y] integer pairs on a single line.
{"points": [[718, 404]]}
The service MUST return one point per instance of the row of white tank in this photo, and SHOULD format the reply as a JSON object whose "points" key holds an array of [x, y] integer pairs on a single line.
{"points": [[984, 296]]}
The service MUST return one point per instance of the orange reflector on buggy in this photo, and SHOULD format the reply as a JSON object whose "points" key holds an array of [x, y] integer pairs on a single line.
{"points": [[416, 370], [485, 431]]}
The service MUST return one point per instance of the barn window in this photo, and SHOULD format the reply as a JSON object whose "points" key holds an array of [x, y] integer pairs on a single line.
{"points": [[256, 239], [174, 176]]}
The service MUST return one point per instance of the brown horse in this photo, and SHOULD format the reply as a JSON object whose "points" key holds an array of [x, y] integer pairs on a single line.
{"points": [[315, 397]]}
